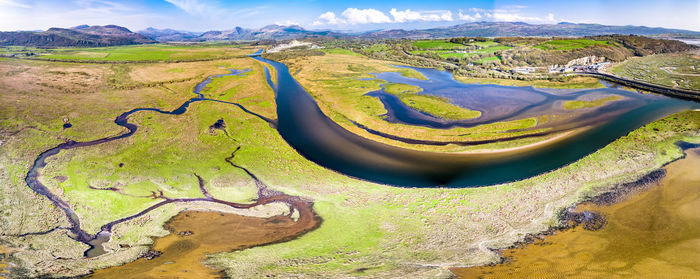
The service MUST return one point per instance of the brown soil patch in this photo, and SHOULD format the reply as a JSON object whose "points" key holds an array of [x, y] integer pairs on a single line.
{"points": [[195, 234]]}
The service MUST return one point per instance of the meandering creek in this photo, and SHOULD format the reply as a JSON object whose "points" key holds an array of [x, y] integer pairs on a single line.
{"points": [[652, 234], [95, 241]]}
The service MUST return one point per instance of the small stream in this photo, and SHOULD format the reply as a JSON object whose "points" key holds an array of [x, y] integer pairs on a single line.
{"points": [[95, 241]]}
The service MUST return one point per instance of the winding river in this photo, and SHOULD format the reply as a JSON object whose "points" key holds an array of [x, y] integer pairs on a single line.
{"points": [[304, 126], [307, 129]]}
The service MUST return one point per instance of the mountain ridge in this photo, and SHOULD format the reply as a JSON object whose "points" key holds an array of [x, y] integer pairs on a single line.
{"points": [[470, 29], [81, 35], [111, 35]]}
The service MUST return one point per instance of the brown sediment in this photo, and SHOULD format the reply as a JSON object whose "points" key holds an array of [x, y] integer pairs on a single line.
{"points": [[653, 233], [196, 234]]}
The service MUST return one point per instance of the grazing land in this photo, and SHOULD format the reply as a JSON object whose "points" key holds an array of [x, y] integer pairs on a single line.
{"points": [[569, 44], [142, 53]]}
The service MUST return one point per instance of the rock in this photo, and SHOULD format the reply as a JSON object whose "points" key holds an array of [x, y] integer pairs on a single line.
{"points": [[152, 254]]}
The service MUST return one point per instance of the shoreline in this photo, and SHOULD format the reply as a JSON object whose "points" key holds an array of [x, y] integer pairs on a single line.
{"points": [[568, 218], [561, 136], [306, 219]]}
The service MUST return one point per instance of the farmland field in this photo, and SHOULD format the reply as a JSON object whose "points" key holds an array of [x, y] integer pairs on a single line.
{"points": [[145, 53], [569, 44]]}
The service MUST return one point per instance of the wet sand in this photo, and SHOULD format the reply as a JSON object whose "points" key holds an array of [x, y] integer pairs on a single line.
{"points": [[4, 254], [652, 234], [196, 234], [556, 138]]}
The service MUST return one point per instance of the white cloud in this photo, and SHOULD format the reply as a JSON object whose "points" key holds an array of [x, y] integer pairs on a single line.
{"points": [[550, 17], [517, 17], [363, 16], [14, 3], [286, 23], [505, 13], [328, 18], [191, 6], [408, 15], [467, 17]]}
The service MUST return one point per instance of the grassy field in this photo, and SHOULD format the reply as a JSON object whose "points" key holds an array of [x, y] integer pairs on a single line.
{"points": [[436, 44], [673, 70], [443, 53], [451, 50], [578, 104], [433, 105], [368, 230], [569, 83], [489, 59], [147, 53], [338, 51], [569, 44]]}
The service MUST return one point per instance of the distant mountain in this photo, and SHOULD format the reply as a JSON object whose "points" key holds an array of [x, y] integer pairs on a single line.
{"points": [[270, 32], [83, 35], [511, 29], [169, 35], [109, 35], [472, 29]]}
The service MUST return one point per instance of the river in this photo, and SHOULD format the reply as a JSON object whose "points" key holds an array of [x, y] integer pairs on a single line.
{"points": [[304, 126]]}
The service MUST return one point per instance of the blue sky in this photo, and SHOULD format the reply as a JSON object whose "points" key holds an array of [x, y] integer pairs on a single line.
{"points": [[355, 15]]}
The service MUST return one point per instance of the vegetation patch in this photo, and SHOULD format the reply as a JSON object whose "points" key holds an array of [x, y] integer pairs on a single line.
{"points": [[578, 104], [569, 44], [146, 53], [339, 51], [681, 70], [433, 105], [436, 44]]}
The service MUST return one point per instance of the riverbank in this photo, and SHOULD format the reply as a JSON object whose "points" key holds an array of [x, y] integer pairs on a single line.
{"points": [[636, 230]]}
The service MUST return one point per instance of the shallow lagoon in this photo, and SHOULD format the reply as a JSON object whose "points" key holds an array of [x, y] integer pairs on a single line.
{"points": [[502, 103]]}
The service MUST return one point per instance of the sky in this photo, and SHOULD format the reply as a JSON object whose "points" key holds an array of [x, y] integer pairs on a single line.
{"points": [[343, 15]]}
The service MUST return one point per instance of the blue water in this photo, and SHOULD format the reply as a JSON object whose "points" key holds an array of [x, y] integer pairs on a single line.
{"points": [[496, 103]]}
